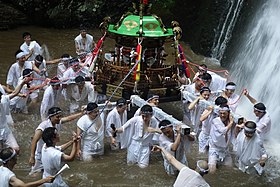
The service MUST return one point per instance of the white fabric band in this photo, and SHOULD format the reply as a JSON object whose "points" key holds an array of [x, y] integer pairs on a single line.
{"points": [[12, 156], [263, 111], [230, 87], [58, 112], [21, 54], [249, 129], [154, 97], [224, 109], [162, 127], [201, 169]]}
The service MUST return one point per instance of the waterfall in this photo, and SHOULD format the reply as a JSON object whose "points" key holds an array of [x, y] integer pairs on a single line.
{"points": [[225, 27], [256, 66]]}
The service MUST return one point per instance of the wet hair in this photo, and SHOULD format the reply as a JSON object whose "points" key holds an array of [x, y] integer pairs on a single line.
{"points": [[53, 111], [39, 58], [7, 154], [91, 106], [79, 79], [203, 65], [206, 77], [27, 72], [260, 107], [250, 124], [25, 34], [164, 123], [48, 135], [121, 102], [55, 81], [146, 109], [65, 55], [152, 96], [220, 101], [203, 89]]}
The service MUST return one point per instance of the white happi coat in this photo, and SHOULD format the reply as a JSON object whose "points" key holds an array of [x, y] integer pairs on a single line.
{"points": [[51, 159], [61, 68], [232, 102], [189, 178], [249, 151], [51, 98], [84, 45], [40, 78], [77, 98], [42, 126], [204, 136], [27, 48], [218, 83], [6, 175], [15, 72], [180, 153], [92, 142], [264, 126], [218, 142], [115, 118], [10, 120], [4, 111], [138, 141]]}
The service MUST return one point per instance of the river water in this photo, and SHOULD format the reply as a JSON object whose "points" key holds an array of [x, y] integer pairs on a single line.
{"points": [[110, 169]]}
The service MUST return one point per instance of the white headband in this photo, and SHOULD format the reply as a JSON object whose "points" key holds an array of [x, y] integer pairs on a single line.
{"points": [[201, 169], [153, 97], [263, 111], [162, 127], [230, 87], [39, 62], [249, 129], [21, 54], [57, 112], [12, 156], [66, 58], [224, 108]]}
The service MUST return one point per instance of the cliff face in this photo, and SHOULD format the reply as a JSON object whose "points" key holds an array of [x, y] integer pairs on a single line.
{"points": [[198, 18]]}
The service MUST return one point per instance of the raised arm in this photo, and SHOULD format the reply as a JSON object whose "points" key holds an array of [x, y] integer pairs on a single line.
{"points": [[251, 99], [15, 182], [176, 144]]}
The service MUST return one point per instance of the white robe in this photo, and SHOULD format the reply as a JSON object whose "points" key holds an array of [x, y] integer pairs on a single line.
{"points": [[180, 153], [51, 159], [51, 98], [249, 151], [92, 142], [4, 111], [264, 126], [233, 102], [190, 178], [27, 48], [6, 175], [115, 118], [85, 46]]}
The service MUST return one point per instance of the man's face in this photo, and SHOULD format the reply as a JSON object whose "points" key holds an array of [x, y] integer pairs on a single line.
{"points": [[56, 118], [122, 108], [146, 117], [258, 113], [93, 114], [168, 131], [22, 59], [154, 102], [199, 84], [56, 87], [75, 67], [224, 115], [83, 33], [249, 135], [205, 95], [27, 39], [229, 92]]}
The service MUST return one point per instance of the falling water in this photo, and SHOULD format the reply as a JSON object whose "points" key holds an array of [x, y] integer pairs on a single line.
{"points": [[225, 27], [256, 67]]}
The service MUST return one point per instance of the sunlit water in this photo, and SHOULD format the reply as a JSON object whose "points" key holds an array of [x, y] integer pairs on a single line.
{"points": [[110, 169]]}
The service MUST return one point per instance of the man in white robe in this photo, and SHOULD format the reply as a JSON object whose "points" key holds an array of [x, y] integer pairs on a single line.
{"points": [[51, 97], [84, 42], [6, 136], [91, 129], [116, 119], [232, 98], [139, 133], [79, 92], [221, 136], [175, 143], [30, 47], [250, 152]]}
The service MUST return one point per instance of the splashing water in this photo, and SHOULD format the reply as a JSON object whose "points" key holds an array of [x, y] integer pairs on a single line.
{"points": [[45, 52], [256, 67]]}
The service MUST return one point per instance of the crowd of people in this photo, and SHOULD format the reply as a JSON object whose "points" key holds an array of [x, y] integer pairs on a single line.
{"points": [[209, 104]]}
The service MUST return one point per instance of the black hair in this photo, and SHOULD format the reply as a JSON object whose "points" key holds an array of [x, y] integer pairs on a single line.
{"points": [[146, 109], [65, 55], [250, 124], [25, 34], [164, 123], [54, 110], [220, 101], [26, 72], [206, 76], [230, 84], [79, 79], [6, 153], [91, 106], [39, 58], [260, 106], [204, 88], [48, 135]]}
